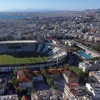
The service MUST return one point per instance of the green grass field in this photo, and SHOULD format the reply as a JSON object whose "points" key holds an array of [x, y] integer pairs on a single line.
{"points": [[8, 59]]}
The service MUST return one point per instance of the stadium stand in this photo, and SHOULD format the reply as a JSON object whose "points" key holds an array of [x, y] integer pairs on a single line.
{"points": [[32, 47]]}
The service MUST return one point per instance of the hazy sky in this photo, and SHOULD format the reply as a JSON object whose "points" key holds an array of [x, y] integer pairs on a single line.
{"points": [[49, 4]]}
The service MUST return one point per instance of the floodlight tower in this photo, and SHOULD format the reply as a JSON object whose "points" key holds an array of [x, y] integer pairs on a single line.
{"points": [[57, 53]]}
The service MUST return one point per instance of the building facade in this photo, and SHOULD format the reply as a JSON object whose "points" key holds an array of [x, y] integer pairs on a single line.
{"points": [[87, 66], [25, 79], [3, 85]]}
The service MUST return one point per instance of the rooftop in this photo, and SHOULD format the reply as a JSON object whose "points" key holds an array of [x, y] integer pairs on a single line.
{"points": [[36, 73], [34, 96], [94, 85], [20, 41], [72, 85], [3, 83], [9, 97], [24, 98], [70, 74], [24, 76], [90, 63], [96, 74], [56, 71]]}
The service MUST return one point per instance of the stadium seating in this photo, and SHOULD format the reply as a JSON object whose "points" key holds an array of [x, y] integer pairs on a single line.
{"points": [[55, 49], [53, 52], [45, 48], [39, 47]]}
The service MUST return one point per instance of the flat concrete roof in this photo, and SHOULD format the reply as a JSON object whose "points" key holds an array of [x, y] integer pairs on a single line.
{"points": [[18, 41]]}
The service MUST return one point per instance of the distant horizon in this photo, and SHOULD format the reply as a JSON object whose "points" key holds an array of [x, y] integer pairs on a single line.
{"points": [[70, 5], [39, 9]]}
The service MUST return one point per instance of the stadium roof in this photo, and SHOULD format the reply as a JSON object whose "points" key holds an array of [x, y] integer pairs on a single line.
{"points": [[20, 41]]}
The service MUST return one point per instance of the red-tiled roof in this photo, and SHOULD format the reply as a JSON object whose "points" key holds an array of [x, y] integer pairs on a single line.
{"points": [[36, 73], [72, 85], [56, 71], [24, 98], [75, 92], [73, 75], [24, 76], [70, 74], [64, 70]]}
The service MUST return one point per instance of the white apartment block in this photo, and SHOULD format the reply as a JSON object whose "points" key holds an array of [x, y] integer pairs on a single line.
{"points": [[94, 90], [87, 66]]}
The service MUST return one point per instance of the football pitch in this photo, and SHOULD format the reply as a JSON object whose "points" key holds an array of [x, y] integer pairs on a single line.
{"points": [[9, 59]]}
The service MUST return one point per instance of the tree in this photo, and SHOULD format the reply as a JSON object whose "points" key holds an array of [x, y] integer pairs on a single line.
{"points": [[66, 65], [85, 30], [21, 91], [33, 91], [25, 68], [14, 81], [49, 81], [77, 70], [94, 59], [15, 71], [50, 67], [44, 72]]}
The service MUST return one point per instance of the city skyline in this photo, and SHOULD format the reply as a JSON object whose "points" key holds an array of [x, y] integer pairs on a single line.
{"points": [[49, 4]]}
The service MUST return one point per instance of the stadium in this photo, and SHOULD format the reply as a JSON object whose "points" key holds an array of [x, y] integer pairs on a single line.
{"points": [[30, 54]]}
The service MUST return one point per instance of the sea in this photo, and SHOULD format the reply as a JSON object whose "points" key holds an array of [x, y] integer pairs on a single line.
{"points": [[10, 17]]}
